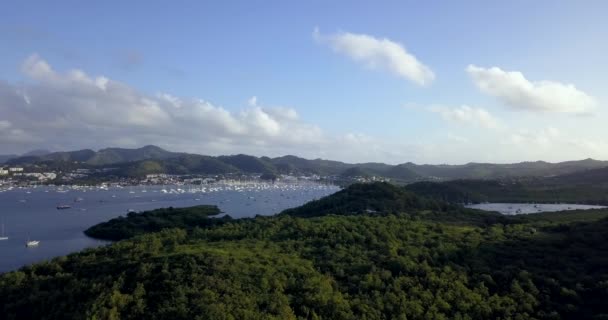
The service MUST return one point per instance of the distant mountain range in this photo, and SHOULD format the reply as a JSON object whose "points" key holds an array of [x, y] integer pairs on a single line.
{"points": [[5, 157], [588, 186], [152, 159], [38, 152]]}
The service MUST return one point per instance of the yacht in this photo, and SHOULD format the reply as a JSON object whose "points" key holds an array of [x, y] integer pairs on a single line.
{"points": [[32, 243]]}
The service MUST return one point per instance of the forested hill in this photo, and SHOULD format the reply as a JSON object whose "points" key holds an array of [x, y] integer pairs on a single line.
{"points": [[366, 199], [391, 266], [406, 261], [377, 197], [135, 224], [589, 187]]}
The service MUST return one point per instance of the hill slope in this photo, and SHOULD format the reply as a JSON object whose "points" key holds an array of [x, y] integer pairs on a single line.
{"points": [[589, 186], [403, 173], [361, 198], [390, 266], [5, 157], [118, 155]]}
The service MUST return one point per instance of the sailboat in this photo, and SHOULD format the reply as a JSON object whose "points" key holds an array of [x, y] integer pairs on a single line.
{"points": [[31, 243], [3, 236]]}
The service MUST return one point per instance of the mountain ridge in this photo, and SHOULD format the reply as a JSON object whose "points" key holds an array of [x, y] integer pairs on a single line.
{"points": [[137, 161]]}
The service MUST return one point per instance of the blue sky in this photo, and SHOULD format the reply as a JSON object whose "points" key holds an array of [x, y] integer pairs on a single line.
{"points": [[341, 93]]}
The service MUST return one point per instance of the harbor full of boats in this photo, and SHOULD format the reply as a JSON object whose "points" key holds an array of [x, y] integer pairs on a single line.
{"points": [[50, 220]]}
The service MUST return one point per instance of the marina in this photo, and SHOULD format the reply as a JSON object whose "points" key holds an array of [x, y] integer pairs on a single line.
{"points": [[530, 208], [34, 212]]}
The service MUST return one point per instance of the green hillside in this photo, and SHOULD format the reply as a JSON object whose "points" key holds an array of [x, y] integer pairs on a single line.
{"points": [[355, 172], [379, 197], [590, 187], [156, 220], [248, 164], [378, 266], [129, 160], [584, 181]]}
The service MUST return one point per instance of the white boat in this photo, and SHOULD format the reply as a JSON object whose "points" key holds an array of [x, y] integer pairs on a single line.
{"points": [[3, 236], [32, 243]]}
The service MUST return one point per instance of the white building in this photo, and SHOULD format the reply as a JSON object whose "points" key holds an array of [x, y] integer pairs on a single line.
{"points": [[156, 176], [3, 172], [36, 175], [41, 176], [50, 175], [15, 169]]}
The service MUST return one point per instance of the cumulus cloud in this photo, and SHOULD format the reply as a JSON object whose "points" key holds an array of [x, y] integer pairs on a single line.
{"points": [[73, 110], [378, 53], [550, 143], [467, 115], [544, 138], [589, 146], [68, 108], [4, 124], [514, 90]]}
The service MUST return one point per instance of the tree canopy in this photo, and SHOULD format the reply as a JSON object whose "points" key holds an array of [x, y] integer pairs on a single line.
{"points": [[410, 264]]}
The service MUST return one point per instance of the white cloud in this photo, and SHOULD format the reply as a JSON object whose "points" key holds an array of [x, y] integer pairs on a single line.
{"points": [[514, 90], [253, 101], [4, 125], [543, 138], [467, 115], [378, 53], [174, 101], [551, 144], [72, 110], [9, 134], [589, 146], [456, 138]]}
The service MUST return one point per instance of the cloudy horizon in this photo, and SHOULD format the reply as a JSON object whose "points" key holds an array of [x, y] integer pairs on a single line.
{"points": [[339, 88]]}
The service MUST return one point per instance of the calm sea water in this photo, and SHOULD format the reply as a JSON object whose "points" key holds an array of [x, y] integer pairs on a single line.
{"points": [[32, 213], [528, 208]]}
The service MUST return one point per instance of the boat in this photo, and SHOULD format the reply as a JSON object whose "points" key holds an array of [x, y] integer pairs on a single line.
{"points": [[3, 236], [32, 243], [63, 207]]}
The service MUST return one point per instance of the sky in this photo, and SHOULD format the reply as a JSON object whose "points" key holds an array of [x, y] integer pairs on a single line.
{"points": [[357, 81]]}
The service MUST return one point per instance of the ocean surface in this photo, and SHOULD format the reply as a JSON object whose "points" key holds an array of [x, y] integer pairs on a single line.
{"points": [[32, 213], [529, 208]]}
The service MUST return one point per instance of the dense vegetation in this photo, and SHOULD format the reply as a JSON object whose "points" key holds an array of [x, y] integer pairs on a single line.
{"points": [[156, 220], [371, 198], [407, 264], [547, 190], [360, 198]]}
